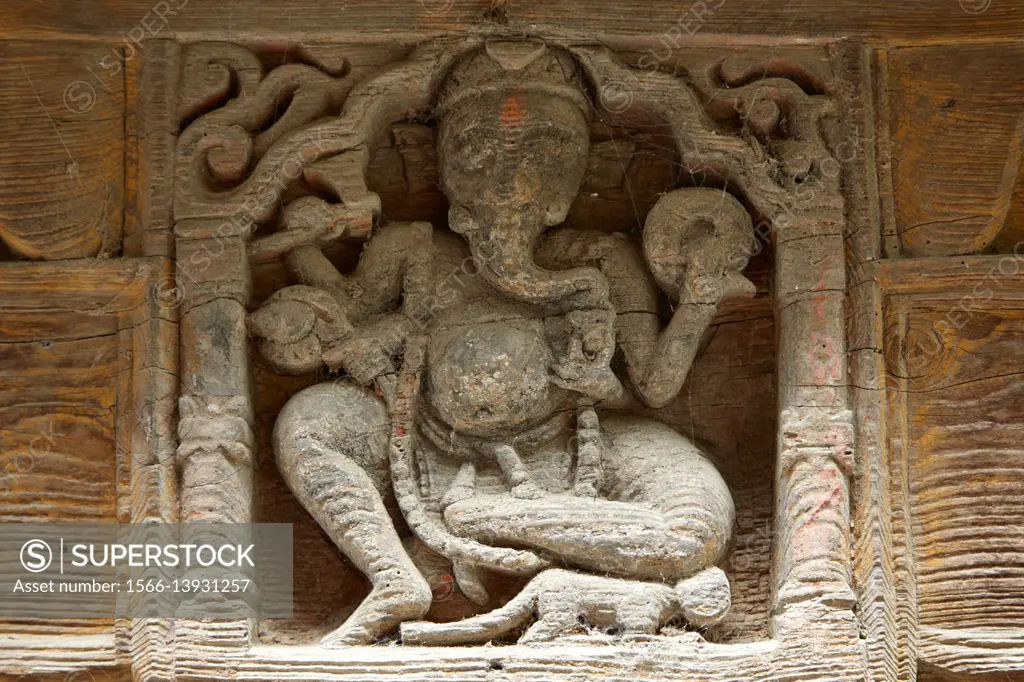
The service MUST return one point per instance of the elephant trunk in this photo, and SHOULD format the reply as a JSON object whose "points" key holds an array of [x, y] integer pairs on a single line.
{"points": [[503, 250]]}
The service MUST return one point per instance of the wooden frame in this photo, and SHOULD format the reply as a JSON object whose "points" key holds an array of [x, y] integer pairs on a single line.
{"points": [[130, 298], [210, 284], [950, 286]]}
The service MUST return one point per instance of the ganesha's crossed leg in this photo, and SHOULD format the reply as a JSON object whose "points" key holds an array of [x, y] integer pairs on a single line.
{"points": [[331, 443], [666, 512]]}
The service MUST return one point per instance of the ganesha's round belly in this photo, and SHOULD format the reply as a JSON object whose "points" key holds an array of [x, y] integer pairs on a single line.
{"points": [[490, 377]]}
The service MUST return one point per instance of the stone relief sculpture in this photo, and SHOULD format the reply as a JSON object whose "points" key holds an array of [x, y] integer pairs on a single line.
{"points": [[490, 375], [503, 434]]}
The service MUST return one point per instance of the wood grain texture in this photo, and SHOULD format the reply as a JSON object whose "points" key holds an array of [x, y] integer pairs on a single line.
{"points": [[967, 470], [948, 655], [85, 358], [57, 418], [951, 337], [953, 424], [57, 436], [885, 624], [957, 120], [74, 658], [971, 281], [918, 21], [61, 158], [151, 130], [674, 659]]}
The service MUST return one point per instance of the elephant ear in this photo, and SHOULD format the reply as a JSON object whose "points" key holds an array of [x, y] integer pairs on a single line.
{"points": [[696, 227]]}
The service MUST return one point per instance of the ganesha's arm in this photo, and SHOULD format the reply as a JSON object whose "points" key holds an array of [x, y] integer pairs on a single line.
{"points": [[311, 267], [657, 359], [659, 369], [394, 266]]}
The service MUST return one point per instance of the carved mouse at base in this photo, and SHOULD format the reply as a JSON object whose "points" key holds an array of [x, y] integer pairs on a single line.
{"points": [[564, 602]]}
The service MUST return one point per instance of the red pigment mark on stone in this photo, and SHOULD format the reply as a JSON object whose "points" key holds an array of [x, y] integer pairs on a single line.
{"points": [[824, 272], [835, 491], [818, 308], [511, 111]]}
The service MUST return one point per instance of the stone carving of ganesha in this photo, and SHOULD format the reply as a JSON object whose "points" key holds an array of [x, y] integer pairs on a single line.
{"points": [[490, 374]]}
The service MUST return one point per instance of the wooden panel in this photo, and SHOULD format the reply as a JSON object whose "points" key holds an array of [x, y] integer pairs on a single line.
{"points": [[966, 466], [954, 463], [86, 389], [918, 20], [58, 458], [61, 155], [57, 429], [965, 282], [957, 119]]}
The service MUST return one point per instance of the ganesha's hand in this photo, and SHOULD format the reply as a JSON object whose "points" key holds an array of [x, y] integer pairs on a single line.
{"points": [[527, 490], [584, 343], [714, 288], [521, 484], [462, 488], [366, 353], [362, 357]]}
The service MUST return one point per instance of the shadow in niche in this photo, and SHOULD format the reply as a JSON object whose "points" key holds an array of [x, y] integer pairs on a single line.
{"points": [[727, 403]]}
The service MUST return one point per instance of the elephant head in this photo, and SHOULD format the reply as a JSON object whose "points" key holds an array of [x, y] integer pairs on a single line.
{"points": [[513, 145]]}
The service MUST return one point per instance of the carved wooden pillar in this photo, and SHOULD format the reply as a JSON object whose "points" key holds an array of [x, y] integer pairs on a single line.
{"points": [[215, 451], [815, 441]]}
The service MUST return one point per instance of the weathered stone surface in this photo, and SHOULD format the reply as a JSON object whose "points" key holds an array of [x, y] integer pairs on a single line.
{"points": [[483, 350]]}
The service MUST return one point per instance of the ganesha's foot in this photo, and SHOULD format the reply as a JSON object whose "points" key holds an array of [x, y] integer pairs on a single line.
{"points": [[394, 600], [704, 598]]}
